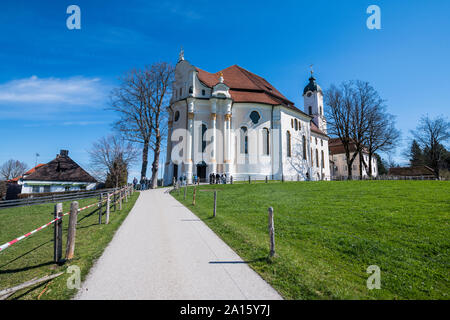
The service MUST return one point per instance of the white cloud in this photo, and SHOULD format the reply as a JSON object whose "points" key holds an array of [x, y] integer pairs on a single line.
{"points": [[73, 91]]}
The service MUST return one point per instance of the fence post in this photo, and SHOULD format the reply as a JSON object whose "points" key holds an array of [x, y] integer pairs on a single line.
{"points": [[193, 198], [115, 199], [215, 203], [70, 248], [249, 180], [57, 234], [100, 208], [120, 200], [126, 194], [231, 179], [108, 203], [271, 233], [267, 179], [282, 178], [185, 187]]}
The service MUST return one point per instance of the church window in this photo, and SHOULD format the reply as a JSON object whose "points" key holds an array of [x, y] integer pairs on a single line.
{"points": [[254, 116], [299, 125], [244, 140], [266, 141], [317, 158], [191, 90], [292, 123], [296, 125], [181, 92], [310, 110], [304, 147], [321, 110], [203, 92], [177, 116], [288, 143], [323, 162], [203, 138], [316, 141], [321, 142]]}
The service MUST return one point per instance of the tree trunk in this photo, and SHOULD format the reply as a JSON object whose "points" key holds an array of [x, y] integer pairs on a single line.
{"points": [[349, 166], [144, 159], [155, 165], [370, 165]]}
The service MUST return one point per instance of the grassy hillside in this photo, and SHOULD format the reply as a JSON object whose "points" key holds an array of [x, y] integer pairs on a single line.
{"points": [[33, 256], [328, 233]]}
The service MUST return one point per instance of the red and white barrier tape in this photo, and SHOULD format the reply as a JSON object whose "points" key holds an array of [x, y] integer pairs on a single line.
{"points": [[8, 244]]}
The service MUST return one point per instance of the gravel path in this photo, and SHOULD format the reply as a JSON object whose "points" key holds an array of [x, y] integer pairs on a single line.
{"points": [[163, 251]]}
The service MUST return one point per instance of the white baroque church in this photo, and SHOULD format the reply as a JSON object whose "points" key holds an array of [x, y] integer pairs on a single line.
{"points": [[236, 123]]}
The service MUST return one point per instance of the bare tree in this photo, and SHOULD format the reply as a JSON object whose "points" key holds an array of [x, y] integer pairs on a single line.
{"points": [[380, 135], [111, 158], [161, 77], [12, 169], [431, 135], [141, 103]]}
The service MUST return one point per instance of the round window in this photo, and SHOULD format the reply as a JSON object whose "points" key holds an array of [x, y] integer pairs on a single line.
{"points": [[177, 116], [254, 116]]}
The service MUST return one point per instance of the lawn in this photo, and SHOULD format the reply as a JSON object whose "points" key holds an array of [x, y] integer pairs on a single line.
{"points": [[328, 233], [33, 256]]}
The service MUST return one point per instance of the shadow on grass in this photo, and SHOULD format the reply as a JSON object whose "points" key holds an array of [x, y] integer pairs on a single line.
{"points": [[194, 220], [28, 252], [262, 259], [26, 268]]}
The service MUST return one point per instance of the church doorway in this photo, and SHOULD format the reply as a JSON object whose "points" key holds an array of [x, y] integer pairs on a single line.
{"points": [[175, 172], [201, 171]]}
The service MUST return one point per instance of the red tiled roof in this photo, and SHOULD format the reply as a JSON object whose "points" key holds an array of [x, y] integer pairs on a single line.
{"points": [[315, 129], [246, 86], [26, 173]]}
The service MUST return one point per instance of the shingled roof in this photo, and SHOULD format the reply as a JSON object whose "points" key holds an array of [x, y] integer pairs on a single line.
{"points": [[62, 168], [415, 171], [246, 86]]}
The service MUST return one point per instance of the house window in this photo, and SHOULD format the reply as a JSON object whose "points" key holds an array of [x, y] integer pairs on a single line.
{"points": [[46, 188], [35, 189], [288, 143], [67, 188], [266, 141], [304, 147], [244, 140], [83, 187]]}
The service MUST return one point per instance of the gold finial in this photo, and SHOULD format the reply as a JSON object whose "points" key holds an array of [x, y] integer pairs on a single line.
{"points": [[221, 77]]}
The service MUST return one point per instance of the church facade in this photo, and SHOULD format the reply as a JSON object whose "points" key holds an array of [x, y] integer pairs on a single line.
{"points": [[234, 122]]}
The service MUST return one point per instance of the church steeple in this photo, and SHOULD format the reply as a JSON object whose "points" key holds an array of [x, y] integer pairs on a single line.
{"points": [[313, 102]]}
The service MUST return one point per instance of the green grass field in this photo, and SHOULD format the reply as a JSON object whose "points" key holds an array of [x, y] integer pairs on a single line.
{"points": [[328, 233], [33, 256]]}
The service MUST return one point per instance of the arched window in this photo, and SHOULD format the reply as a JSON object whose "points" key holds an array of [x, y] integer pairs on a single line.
{"points": [[304, 147], [266, 141], [321, 110], [244, 140], [177, 115], [254, 116], [202, 145], [181, 92], [299, 125], [288, 143], [296, 125], [292, 123], [191, 90], [310, 110], [317, 158], [323, 162]]}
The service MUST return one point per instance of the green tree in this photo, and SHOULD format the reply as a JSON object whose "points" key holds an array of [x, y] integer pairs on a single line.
{"points": [[416, 156]]}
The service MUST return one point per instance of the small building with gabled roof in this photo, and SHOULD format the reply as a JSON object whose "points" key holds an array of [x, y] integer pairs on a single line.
{"points": [[62, 174]]}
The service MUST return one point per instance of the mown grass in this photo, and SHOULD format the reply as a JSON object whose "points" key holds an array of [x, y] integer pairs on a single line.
{"points": [[33, 256], [328, 233]]}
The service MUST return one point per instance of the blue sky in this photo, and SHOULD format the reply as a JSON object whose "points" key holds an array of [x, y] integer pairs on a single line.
{"points": [[55, 82]]}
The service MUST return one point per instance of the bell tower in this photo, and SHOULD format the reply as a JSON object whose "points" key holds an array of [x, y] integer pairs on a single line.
{"points": [[313, 102]]}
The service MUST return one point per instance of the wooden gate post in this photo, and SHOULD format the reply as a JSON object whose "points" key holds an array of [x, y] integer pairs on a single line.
{"points": [[108, 204], [70, 248], [115, 199], [57, 234], [215, 203], [271, 233]]}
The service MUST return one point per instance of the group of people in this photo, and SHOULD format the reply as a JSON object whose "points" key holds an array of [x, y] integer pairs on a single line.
{"points": [[217, 178], [144, 184]]}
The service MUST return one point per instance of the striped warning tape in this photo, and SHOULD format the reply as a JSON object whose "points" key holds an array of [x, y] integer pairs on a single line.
{"points": [[8, 244]]}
